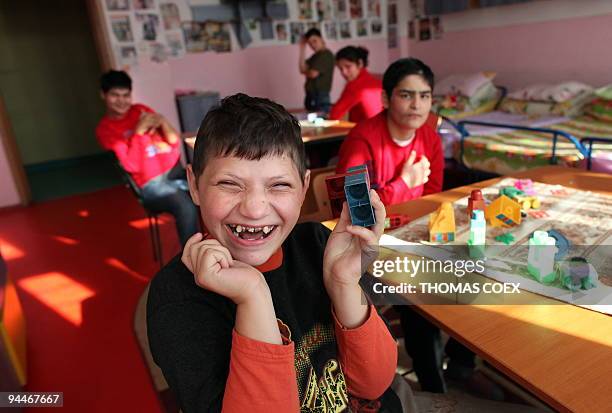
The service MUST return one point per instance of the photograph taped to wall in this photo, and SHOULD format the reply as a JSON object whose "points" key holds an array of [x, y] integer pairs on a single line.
{"points": [[436, 27], [345, 30], [356, 8], [266, 30], [362, 28], [412, 29], [424, 29], [148, 23], [128, 56], [313, 25], [218, 36], [374, 8], [194, 36], [392, 13], [376, 27], [340, 9], [392, 36], [297, 31], [144, 4], [176, 46], [122, 28], [170, 16], [282, 34], [117, 5], [331, 30], [323, 10], [158, 52], [305, 9]]}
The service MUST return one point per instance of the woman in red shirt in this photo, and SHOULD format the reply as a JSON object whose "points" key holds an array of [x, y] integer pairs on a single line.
{"points": [[362, 95]]}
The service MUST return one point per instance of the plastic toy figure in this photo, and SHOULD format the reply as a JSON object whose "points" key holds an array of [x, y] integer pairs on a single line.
{"points": [[576, 273], [442, 224], [475, 201], [541, 257], [526, 202], [503, 212], [478, 230], [525, 185]]}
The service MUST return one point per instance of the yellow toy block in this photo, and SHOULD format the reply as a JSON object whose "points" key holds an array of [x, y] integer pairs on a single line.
{"points": [[442, 224], [503, 212]]}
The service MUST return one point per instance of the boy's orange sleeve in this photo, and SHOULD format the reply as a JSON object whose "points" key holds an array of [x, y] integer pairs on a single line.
{"points": [[368, 355], [261, 377]]}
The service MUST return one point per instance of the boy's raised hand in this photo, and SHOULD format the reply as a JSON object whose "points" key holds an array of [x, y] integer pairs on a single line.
{"points": [[214, 269], [348, 244], [415, 173]]}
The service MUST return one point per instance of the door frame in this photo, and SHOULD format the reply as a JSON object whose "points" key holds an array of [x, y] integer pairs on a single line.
{"points": [[100, 36]]}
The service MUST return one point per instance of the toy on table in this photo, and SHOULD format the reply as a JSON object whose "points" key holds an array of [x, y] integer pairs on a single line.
{"points": [[357, 192], [541, 257], [526, 202], [393, 221], [442, 224], [335, 189], [576, 273], [562, 243], [525, 185], [503, 212], [475, 201], [507, 238], [478, 232]]}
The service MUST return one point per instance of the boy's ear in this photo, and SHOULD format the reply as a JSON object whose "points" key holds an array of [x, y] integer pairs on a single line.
{"points": [[193, 186], [306, 184], [385, 100]]}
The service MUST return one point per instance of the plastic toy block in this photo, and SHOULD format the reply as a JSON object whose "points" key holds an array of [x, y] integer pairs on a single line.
{"points": [[526, 202], [562, 243], [478, 230], [576, 273], [505, 238], [503, 212], [335, 189], [541, 257], [475, 201], [525, 185], [394, 221], [442, 224], [357, 192]]}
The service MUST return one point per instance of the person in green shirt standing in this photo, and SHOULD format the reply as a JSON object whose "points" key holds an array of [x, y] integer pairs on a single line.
{"points": [[318, 70]]}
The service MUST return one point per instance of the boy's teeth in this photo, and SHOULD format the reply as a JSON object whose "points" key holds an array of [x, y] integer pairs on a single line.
{"points": [[239, 228], [266, 229], [251, 229]]}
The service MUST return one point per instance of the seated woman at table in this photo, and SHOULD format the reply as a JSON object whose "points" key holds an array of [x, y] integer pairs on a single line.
{"points": [[362, 95]]}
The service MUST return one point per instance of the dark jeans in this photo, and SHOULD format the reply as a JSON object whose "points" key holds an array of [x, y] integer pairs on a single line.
{"points": [[424, 345], [169, 192], [317, 102]]}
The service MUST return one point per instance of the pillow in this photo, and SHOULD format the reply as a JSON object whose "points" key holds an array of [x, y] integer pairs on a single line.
{"points": [[605, 92], [543, 92], [600, 109], [465, 84], [571, 107]]}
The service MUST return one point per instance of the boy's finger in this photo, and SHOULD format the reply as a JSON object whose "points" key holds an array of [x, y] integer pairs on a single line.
{"points": [[186, 257], [366, 235], [411, 158], [380, 212]]}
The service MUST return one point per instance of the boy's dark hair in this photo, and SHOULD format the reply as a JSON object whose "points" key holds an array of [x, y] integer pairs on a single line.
{"points": [[354, 54], [115, 79], [249, 128], [406, 67], [312, 32]]}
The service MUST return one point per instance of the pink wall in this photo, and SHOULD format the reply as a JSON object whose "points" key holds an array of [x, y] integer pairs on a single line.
{"points": [[8, 191], [270, 72], [568, 49]]}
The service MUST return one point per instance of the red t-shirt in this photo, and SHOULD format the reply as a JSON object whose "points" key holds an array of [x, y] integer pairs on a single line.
{"points": [[370, 142], [361, 97], [143, 156]]}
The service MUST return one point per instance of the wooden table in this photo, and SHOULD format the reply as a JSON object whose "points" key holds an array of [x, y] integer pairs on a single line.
{"points": [[560, 352]]}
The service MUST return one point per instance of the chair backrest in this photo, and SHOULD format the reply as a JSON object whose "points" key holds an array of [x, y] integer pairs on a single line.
{"points": [[140, 330], [127, 178], [320, 193]]}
